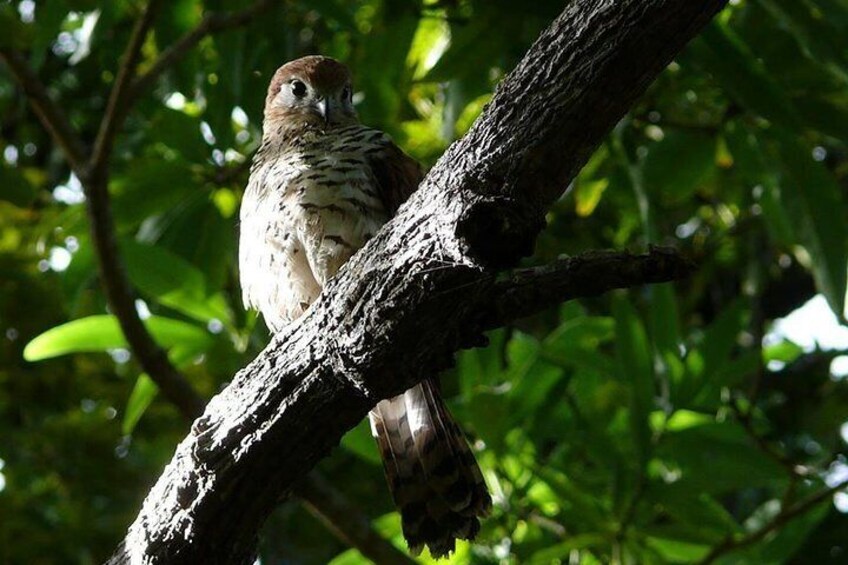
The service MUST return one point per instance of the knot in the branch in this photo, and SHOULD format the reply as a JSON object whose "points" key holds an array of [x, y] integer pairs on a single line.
{"points": [[498, 231]]}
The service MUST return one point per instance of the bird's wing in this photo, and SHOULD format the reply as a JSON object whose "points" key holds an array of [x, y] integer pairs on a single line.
{"points": [[397, 175]]}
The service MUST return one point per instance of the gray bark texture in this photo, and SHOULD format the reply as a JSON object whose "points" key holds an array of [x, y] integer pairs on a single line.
{"points": [[424, 287]]}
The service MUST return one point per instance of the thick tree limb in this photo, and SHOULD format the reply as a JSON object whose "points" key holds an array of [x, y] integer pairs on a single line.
{"points": [[342, 518], [399, 308]]}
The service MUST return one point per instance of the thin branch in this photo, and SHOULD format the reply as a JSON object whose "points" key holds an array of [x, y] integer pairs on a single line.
{"points": [[210, 24], [527, 291], [51, 116], [227, 174], [783, 518], [347, 522], [745, 419], [120, 102], [113, 276]]}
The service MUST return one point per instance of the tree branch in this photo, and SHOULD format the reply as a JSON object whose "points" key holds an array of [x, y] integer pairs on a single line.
{"points": [[116, 284], [527, 291], [781, 519], [399, 309], [119, 102], [210, 24], [345, 520], [51, 116]]}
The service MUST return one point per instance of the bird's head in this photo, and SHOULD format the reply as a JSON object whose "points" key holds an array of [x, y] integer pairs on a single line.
{"points": [[311, 91]]}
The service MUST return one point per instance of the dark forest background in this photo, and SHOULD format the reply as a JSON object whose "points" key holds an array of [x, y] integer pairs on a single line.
{"points": [[699, 422]]}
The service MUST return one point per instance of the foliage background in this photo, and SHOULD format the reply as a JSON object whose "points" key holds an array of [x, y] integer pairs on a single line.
{"points": [[680, 423]]}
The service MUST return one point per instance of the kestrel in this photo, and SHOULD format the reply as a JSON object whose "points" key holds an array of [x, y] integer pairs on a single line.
{"points": [[321, 184]]}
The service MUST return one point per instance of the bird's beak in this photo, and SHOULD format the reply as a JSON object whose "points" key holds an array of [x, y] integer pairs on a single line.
{"points": [[324, 109]]}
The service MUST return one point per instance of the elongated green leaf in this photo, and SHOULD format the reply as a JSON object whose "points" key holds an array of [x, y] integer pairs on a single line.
{"points": [[149, 187], [145, 389], [561, 551], [711, 521], [584, 510], [716, 458], [751, 164], [173, 281], [576, 343], [679, 164], [814, 199], [101, 333], [818, 40], [726, 56], [675, 551], [143, 393], [635, 368]]}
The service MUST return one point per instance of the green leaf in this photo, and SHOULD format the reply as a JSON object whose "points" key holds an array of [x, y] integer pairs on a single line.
{"points": [[784, 352], [721, 335], [679, 164], [14, 187], [197, 232], [789, 539], [716, 458], [710, 520], [173, 281], [150, 187], [726, 56], [635, 368], [814, 199], [819, 41], [560, 552], [665, 330], [102, 333], [754, 169], [142, 395], [587, 195], [13, 33], [829, 115], [181, 132], [675, 551], [582, 509], [576, 343]]}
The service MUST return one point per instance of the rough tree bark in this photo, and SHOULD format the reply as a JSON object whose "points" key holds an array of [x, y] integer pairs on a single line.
{"points": [[422, 288]]}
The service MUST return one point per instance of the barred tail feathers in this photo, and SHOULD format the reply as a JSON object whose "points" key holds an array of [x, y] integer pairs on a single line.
{"points": [[432, 474]]}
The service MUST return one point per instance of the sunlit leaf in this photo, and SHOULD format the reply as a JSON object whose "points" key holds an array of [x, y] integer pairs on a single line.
{"points": [[173, 281], [142, 395], [102, 333]]}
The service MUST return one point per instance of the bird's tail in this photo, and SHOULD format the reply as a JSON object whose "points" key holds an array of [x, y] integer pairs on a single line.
{"points": [[432, 474]]}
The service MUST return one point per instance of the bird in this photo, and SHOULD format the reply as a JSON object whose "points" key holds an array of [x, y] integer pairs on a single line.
{"points": [[321, 184]]}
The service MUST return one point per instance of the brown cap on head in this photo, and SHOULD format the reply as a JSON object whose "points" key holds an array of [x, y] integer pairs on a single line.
{"points": [[321, 72]]}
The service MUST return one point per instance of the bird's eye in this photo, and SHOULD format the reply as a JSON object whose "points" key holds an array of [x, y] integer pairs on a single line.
{"points": [[347, 93], [298, 88]]}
